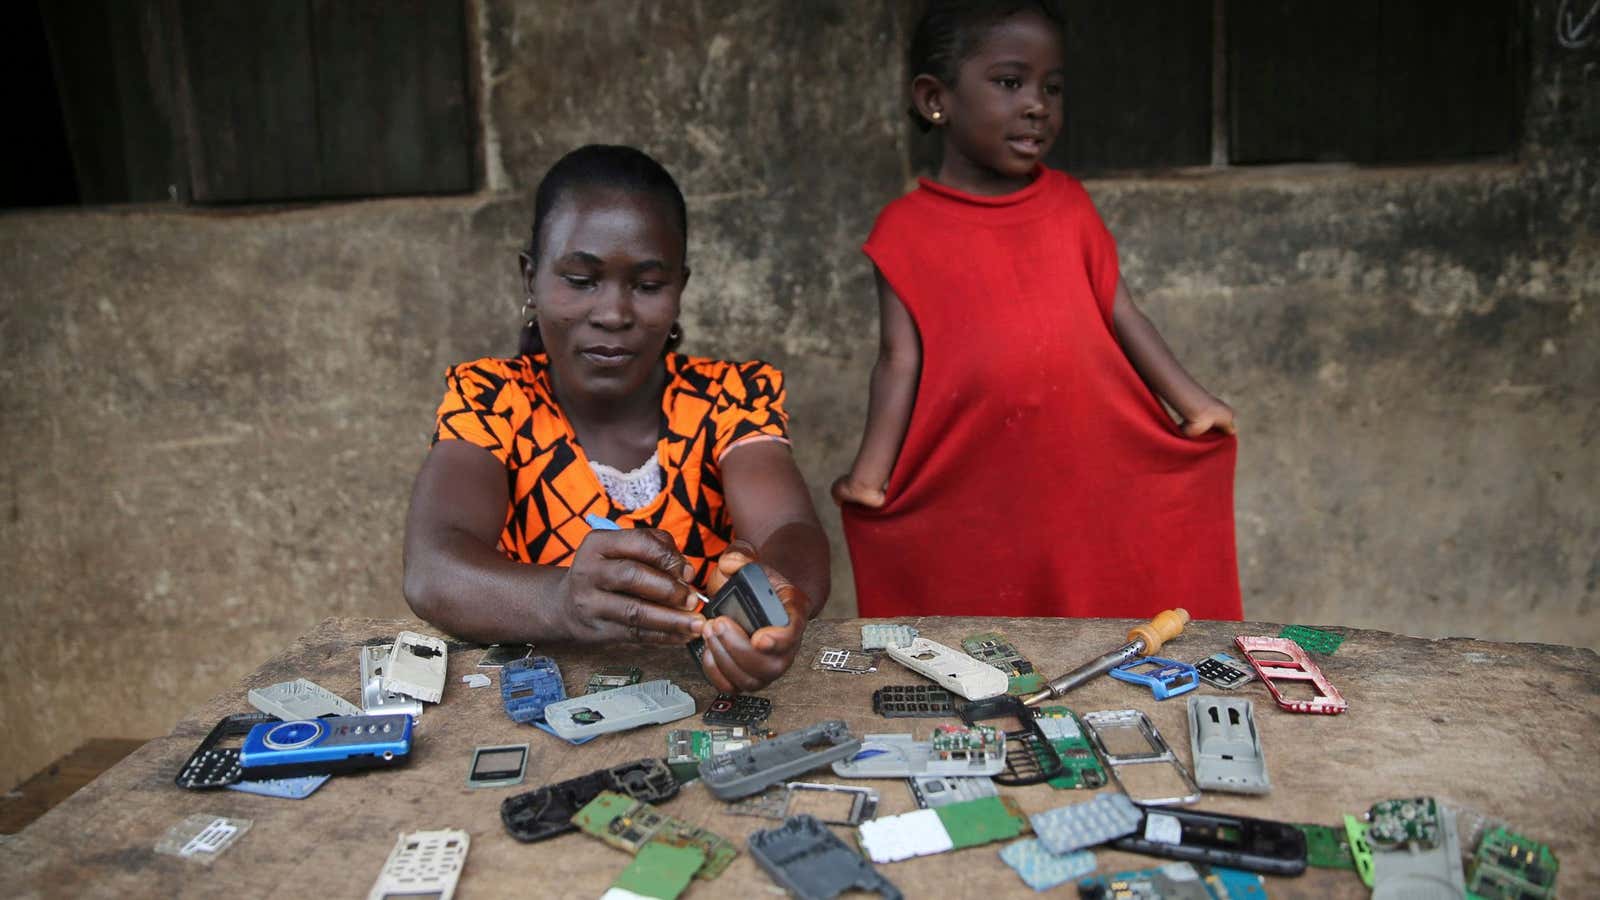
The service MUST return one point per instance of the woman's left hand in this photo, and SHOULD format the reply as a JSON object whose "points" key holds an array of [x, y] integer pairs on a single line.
{"points": [[737, 663]]}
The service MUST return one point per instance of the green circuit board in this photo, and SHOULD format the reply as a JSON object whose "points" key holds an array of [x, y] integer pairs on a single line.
{"points": [[1065, 733]]}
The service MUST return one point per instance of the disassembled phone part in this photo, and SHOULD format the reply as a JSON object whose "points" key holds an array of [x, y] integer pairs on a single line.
{"points": [[881, 636], [201, 837], [648, 703], [1257, 845], [779, 802], [499, 654], [809, 861], [740, 773], [1080, 766], [1173, 881], [212, 765], [929, 831], [1029, 757], [975, 751], [743, 709], [547, 811], [659, 871], [529, 685], [300, 699], [1509, 866], [613, 677], [1042, 870], [1396, 823], [1075, 826], [1128, 741], [1166, 678], [1225, 746], [1414, 871], [629, 824], [500, 766], [686, 748], [922, 701], [1312, 640], [1360, 850], [423, 864], [282, 788], [833, 659], [1143, 640], [1223, 671], [375, 700], [325, 746], [1327, 848], [1297, 667], [416, 667], [748, 599], [951, 669], [931, 791], [993, 648]]}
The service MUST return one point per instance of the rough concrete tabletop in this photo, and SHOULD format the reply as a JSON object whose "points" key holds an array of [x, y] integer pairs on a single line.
{"points": [[1507, 730]]}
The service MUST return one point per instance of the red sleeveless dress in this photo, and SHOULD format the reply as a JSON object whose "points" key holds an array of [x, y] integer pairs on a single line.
{"points": [[1039, 475]]}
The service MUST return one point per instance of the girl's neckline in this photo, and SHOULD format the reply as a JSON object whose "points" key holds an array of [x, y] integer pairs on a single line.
{"points": [[1021, 195]]}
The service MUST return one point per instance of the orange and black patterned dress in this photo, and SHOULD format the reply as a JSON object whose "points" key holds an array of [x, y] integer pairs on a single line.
{"points": [[507, 407]]}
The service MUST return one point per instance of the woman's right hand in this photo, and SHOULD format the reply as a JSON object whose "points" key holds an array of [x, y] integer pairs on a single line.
{"points": [[848, 490], [623, 587]]}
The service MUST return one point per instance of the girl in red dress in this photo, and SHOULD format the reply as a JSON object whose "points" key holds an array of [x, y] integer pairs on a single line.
{"points": [[1018, 459]]}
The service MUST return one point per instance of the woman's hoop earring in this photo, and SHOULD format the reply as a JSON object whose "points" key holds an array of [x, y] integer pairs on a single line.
{"points": [[675, 333], [529, 319]]}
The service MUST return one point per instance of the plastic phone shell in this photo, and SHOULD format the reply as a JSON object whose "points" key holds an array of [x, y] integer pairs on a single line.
{"points": [[951, 669], [416, 667], [1298, 667], [324, 746], [547, 811], [1030, 758], [1257, 845], [903, 756], [1225, 746], [1170, 678], [648, 703], [742, 772], [811, 862], [376, 701], [213, 767], [1132, 720], [423, 864], [529, 685], [748, 599], [301, 699]]}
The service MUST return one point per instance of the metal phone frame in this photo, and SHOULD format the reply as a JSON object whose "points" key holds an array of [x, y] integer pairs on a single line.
{"points": [[1329, 702], [1159, 752]]}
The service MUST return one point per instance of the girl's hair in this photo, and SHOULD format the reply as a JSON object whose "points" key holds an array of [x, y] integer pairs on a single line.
{"points": [[950, 31], [600, 165]]}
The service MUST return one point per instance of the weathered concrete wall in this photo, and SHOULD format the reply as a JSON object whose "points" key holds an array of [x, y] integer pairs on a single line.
{"points": [[210, 420]]}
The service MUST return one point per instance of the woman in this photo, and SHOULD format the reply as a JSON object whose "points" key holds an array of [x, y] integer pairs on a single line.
{"points": [[597, 416]]}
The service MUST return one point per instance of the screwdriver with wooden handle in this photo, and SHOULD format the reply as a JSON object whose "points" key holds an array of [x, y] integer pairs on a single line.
{"points": [[1143, 640]]}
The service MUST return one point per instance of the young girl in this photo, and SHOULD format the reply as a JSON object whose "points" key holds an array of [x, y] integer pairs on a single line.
{"points": [[1017, 459]]}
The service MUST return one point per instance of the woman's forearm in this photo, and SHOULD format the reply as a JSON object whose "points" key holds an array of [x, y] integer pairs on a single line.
{"points": [[800, 551], [456, 583]]}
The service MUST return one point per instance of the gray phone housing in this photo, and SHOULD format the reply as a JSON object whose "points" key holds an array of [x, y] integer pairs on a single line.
{"points": [[1225, 745], [376, 701], [904, 756], [811, 862], [740, 773], [647, 703], [300, 699]]}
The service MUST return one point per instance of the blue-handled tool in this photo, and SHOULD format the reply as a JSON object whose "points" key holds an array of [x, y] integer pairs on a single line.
{"points": [[1169, 678], [601, 523]]}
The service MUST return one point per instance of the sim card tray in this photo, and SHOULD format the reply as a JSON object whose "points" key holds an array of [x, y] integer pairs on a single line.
{"points": [[1298, 667], [1131, 723]]}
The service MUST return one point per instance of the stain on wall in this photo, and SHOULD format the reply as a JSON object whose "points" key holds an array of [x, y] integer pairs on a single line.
{"points": [[211, 419]]}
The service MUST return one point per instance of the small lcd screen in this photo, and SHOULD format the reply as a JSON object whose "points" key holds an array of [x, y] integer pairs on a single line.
{"points": [[493, 764], [518, 695]]}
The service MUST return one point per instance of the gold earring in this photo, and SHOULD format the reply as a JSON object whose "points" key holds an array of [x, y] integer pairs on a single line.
{"points": [[528, 312], [936, 115]]}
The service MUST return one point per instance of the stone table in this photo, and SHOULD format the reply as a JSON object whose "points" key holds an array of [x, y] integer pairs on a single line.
{"points": [[1509, 730]]}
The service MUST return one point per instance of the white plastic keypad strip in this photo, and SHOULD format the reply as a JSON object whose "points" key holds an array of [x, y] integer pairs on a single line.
{"points": [[423, 864]]}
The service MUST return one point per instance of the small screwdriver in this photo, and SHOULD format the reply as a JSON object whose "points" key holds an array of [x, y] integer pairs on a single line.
{"points": [[601, 523], [1143, 640]]}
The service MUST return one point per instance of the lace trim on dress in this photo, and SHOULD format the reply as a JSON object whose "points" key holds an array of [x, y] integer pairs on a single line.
{"points": [[631, 490]]}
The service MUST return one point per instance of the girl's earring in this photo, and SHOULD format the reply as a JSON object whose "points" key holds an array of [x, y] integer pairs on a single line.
{"points": [[936, 115]]}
